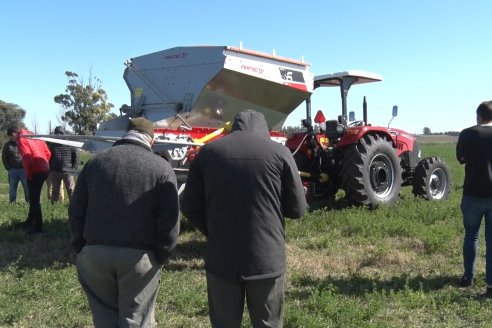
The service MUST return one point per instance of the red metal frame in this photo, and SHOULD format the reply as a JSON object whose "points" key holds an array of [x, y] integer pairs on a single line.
{"points": [[401, 140]]}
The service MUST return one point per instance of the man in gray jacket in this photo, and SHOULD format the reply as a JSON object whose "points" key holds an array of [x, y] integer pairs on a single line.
{"points": [[238, 191], [123, 218]]}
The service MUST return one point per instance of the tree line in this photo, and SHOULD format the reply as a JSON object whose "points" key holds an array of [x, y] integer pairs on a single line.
{"points": [[427, 132], [83, 105]]}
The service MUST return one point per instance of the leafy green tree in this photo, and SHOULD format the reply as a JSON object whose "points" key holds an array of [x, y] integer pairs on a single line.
{"points": [[10, 115], [427, 131], [84, 104]]}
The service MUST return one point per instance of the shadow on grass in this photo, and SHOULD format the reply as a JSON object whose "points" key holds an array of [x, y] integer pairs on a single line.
{"points": [[187, 256], [186, 226], [359, 286], [52, 248], [328, 204], [189, 250], [36, 251]]}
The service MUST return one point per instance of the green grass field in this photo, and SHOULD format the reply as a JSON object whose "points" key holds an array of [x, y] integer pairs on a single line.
{"points": [[391, 267]]}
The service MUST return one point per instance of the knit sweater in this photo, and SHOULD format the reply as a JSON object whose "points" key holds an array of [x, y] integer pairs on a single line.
{"points": [[126, 197]]}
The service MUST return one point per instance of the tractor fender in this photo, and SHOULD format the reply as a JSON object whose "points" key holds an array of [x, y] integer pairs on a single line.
{"points": [[354, 134]]}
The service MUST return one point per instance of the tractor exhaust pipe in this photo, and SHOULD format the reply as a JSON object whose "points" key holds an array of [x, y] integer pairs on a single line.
{"points": [[308, 109], [364, 110]]}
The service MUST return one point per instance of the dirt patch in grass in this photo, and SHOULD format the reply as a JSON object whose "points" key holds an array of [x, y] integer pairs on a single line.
{"points": [[388, 259], [315, 263]]}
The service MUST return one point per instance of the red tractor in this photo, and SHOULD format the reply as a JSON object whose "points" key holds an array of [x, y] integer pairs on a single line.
{"points": [[370, 163], [191, 93]]}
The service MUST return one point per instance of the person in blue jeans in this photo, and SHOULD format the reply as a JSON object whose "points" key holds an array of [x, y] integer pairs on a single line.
{"points": [[12, 161], [474, 150]]}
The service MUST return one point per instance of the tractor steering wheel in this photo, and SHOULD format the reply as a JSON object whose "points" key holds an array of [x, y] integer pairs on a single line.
{"points": [[356, 123]]}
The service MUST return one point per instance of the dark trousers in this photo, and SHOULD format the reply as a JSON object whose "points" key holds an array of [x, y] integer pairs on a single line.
{"points": [[35, 217], [264, 298]]}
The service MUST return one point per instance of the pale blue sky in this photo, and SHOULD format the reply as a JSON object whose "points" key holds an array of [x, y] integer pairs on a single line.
{"points": [[434, 56]]}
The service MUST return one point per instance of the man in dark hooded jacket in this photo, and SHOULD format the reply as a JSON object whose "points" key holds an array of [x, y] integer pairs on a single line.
{"points": [[238, 191]]}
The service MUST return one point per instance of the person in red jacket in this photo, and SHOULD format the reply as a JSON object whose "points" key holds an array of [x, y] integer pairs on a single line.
{"points": [[35, 160]]}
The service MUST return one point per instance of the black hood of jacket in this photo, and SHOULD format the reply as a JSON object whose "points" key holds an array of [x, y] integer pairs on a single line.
{"points": [[250, 121], [239, 189]]}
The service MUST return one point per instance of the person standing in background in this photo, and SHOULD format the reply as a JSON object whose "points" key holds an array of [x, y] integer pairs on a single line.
{"points": [[12, 161], [64, 163], [35, 160], [474, 150]]}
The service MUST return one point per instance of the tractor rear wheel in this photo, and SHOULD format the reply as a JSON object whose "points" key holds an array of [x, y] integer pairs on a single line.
{"points": [[432, 179], [371, 172]]}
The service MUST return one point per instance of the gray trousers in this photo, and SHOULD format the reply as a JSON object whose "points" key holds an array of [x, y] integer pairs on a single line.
{"points": [[56, 179], [121, 285], [264, 298]]}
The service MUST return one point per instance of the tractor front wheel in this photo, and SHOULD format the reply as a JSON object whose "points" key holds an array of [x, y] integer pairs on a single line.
{"points": [[432, 179], [371, 172]]}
